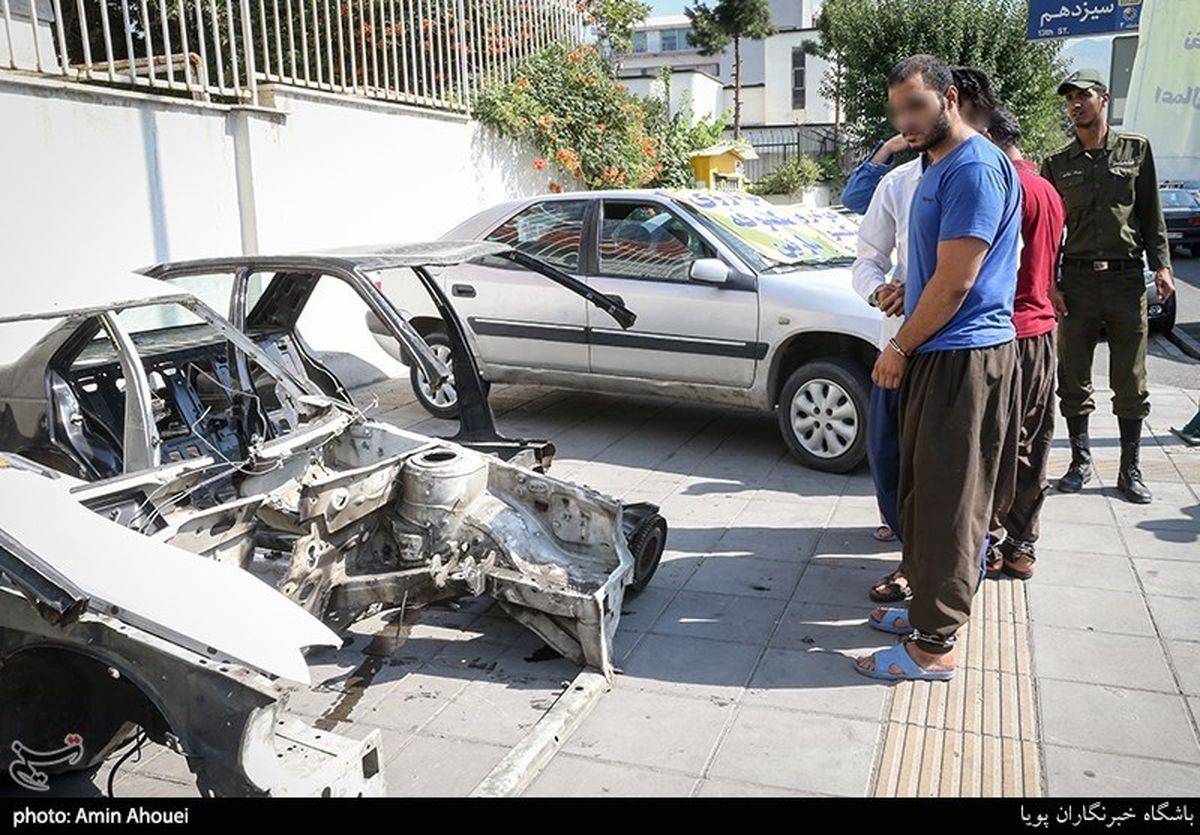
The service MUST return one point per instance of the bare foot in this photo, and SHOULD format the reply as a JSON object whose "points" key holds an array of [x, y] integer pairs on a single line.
{"points": [[896, 577], [884, 533], [927, 661], [899, 622]]}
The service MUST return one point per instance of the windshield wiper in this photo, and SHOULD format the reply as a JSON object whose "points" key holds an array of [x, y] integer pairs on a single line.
{"points": [[623, 315]]}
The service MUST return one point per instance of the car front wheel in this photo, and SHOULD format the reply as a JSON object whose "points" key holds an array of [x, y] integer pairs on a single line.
{"points": [[823, 415]]}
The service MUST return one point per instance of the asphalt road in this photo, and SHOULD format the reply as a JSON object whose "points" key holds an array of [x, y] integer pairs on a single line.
{"points": [[1166, 364], [1187, 284]]}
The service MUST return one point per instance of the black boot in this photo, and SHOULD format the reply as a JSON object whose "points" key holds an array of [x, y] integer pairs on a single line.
{"points": [[1129, 480], [1080, 471]]}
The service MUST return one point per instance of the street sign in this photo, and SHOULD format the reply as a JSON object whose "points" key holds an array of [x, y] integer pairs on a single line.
{"points": [[1058, 19]]}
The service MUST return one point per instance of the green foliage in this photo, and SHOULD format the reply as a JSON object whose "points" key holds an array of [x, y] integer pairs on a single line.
{"points": [[794, 176], [680, 135], [800, 173], [832, 171], [864, 39], [713, 28], [615, 20], [568, 105]]}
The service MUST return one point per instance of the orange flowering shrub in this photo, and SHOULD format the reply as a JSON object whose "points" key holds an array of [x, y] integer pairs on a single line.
{"points": [[567, 104]]}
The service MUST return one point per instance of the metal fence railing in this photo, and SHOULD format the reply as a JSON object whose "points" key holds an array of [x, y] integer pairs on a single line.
{"points": [[775, 146], [436, 53]]}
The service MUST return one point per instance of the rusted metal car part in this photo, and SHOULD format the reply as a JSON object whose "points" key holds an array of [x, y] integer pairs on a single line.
{"points": [[77, 668], [343, 515]]}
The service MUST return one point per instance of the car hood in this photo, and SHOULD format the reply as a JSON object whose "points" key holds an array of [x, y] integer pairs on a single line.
{"points": [[202, 604], [802, 279]]}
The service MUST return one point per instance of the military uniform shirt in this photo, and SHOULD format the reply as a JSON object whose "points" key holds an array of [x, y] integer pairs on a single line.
{"points": [[1112, 202]]}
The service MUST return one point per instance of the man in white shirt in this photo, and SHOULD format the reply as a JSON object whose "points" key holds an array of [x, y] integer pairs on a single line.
{"points": [[884, 231]]}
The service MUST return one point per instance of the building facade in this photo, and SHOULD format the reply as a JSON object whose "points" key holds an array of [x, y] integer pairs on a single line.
{"points": [[781, 99]]}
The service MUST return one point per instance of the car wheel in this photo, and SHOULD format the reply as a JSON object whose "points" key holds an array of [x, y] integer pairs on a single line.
{"points": [[823, 415], [646, 544], [1166, 323], [444, 402]]}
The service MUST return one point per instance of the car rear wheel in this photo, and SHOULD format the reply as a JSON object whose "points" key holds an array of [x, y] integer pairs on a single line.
{"points": [[444, 402], [823, 415]]}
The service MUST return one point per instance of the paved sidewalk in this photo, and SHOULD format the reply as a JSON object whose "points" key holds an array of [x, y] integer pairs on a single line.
{"points": [[736, 662]]}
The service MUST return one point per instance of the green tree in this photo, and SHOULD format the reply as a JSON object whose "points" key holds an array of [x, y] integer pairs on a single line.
{"points": [[863, 39], [615, 21], [713, 28]]}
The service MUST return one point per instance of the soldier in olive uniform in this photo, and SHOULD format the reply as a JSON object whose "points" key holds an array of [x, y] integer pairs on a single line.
{"points": [[1108, 183]]}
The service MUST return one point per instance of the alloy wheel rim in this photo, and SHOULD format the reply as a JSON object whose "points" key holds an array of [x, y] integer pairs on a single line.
{"points": [[446, 396]]}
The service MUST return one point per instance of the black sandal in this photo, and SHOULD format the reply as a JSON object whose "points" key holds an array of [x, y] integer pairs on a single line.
{"points": [[893, 591]]}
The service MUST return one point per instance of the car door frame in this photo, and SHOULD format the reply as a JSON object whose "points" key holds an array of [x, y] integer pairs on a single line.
{"points": [[741, 277], [530, 330]]}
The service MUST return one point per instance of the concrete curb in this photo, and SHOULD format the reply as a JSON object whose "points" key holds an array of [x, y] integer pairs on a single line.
{"points": [[1185, 343], [513, 774]]}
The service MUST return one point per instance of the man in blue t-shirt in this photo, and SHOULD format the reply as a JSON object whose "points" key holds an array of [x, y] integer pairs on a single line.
{"points": [[954, 361], [976, 102]]}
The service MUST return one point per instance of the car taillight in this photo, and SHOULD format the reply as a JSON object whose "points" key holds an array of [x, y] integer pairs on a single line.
{"points": [[1194, 221]]}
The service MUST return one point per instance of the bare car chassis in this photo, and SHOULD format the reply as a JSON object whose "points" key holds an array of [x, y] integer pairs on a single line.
{"points": [[269, 475]]}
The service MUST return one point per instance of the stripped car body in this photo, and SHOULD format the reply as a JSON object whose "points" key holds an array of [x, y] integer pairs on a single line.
{"points": [[257, 473]]}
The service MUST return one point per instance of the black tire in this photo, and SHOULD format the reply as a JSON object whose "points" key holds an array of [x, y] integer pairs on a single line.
{"points": [[439, 341], [647, 544], [1166, 323], [849, 385]]}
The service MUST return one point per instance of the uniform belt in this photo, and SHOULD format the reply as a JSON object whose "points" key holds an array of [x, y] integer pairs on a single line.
{"points": [[1104, 266]]}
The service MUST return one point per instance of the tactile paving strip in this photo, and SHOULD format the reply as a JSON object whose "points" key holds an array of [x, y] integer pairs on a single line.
{"points": [[977, 735]]}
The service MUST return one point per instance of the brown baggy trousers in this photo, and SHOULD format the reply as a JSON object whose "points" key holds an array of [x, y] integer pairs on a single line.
{"points": [[956, 408], [1019, 502]]}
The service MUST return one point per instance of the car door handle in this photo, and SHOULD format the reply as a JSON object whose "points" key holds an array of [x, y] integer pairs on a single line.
{"points": [[465, 291]]}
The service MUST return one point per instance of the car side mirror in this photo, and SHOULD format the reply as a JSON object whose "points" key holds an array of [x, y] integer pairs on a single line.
{"points": [[709, 271]]}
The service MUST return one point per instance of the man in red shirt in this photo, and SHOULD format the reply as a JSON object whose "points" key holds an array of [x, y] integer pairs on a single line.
{"points": [[1019, 499]]}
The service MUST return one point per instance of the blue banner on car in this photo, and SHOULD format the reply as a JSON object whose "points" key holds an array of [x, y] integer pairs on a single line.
{"points": [[1056, 19]]}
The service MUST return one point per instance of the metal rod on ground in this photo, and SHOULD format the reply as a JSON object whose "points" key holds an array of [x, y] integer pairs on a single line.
{"points": [[513, 774]]}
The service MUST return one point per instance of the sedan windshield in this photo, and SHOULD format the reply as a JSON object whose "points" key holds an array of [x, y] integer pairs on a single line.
{"points": [[769, 236]]}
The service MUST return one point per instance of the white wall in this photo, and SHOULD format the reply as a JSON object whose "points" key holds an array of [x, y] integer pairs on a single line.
{"points": [[753, 62], [99, 182], [754, 105], [704, 94], [336, 172], [779, 110]]}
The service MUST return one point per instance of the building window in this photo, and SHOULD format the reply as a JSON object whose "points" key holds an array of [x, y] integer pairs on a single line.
{"points": [[798, 90], [639, 41], [674, 40]]}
